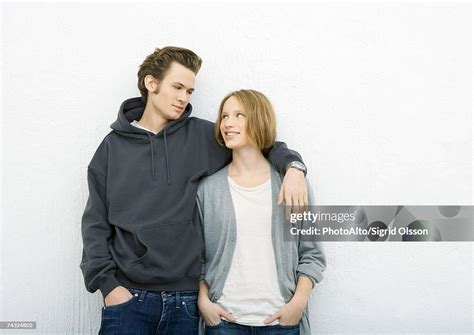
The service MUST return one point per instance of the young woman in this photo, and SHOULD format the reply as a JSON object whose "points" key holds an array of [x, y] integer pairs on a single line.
{"points": [[253, 280]]}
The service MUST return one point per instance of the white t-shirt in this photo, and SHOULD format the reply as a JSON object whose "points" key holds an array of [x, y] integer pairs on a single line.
{"points": [[251, 292], [136, 124]]}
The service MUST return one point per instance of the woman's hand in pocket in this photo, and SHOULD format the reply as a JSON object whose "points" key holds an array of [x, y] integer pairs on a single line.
{"points": [[118, 295], [212, 313], [289, 315]]}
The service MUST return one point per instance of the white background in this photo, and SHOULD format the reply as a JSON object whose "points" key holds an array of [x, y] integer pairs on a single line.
{"points": [[377, 97]]}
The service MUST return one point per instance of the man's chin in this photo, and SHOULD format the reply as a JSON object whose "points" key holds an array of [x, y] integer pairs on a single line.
{"points": [[173, 116]]}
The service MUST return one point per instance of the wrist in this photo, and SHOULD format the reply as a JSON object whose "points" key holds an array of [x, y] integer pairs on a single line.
{"points": [[299, 301], [295, 170], [203, 297], [299, 166], [204, 303]]}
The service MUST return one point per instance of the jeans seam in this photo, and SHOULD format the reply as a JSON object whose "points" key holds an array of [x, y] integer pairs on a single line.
{"points": [[161, 316]]}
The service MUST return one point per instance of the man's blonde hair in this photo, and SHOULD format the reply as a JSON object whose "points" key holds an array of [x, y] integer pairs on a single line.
{"points": [[260, 117]]}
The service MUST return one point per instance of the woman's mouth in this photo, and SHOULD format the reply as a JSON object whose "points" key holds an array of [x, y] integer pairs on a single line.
{"points": [[231, 133]]}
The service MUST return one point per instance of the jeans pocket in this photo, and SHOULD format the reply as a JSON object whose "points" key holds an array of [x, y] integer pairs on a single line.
{"points": [[220, 324], [191, 309], [288, 326], [121, 305]]}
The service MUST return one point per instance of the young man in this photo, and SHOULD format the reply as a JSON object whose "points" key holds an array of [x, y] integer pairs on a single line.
{"points": [[140, 228]]}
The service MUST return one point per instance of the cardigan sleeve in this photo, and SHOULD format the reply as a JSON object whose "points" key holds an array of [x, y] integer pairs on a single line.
{"points": [[312, 258], [200, 205]]}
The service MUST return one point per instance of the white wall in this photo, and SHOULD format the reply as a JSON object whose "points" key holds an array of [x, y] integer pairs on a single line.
{"points": [[376, 97]]}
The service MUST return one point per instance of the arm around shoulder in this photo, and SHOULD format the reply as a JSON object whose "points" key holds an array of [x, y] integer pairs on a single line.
{"points": [[280, 157], [215, 156]]}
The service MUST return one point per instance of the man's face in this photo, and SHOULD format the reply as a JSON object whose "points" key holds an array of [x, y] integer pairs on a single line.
{"points": [[174, 92]]}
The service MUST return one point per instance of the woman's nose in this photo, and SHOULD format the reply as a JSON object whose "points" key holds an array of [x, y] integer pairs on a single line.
{"points": [[228, 122]]}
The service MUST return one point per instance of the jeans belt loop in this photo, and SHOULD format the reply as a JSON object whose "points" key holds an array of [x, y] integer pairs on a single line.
{"points": [[142, 295], [178, 299]]}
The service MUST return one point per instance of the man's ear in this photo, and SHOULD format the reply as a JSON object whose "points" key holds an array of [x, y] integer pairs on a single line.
{"points": [[151, 83]]}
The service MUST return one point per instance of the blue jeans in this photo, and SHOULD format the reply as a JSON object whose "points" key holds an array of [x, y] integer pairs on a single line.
{"points": [[152, 312], [229, 328]]}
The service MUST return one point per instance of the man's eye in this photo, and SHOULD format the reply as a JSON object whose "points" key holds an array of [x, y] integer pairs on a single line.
{"points": [[190, 92]]}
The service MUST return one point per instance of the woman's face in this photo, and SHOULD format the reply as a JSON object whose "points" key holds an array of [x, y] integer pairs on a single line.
{"points": [[234, 124]]}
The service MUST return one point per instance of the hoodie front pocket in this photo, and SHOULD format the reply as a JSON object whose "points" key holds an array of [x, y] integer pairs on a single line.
{"points": [[172, 249]]}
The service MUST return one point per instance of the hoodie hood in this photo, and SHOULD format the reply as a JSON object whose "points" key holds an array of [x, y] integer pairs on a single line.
{"points": [[133, 109]]}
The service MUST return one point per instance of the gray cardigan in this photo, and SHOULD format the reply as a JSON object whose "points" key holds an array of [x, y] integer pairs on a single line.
{"points": [[293, 258]]}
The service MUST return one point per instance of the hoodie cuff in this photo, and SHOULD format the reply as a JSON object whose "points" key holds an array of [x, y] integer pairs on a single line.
{"points": [[108, 285]]}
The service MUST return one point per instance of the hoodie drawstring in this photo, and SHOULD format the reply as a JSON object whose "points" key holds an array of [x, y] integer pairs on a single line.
{"points": [[167, 160], [153, 157], [134, 109]]}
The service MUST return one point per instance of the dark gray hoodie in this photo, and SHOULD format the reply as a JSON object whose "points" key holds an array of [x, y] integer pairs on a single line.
{"points": [[140, 227]]}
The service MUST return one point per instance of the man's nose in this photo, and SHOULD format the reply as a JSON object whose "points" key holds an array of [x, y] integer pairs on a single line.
{"points": [[183, 97]]}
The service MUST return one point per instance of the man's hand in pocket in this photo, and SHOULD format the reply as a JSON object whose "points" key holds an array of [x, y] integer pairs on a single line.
{"points": [[118, 295]]}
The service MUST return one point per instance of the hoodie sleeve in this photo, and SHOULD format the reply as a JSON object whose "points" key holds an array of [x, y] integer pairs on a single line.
{"points": [[215, 156], [280, 156], [97, 264], [312, 258], [218, 156]]}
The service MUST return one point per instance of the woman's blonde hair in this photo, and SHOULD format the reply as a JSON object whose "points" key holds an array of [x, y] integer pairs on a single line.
{"points": [[260, 117]]}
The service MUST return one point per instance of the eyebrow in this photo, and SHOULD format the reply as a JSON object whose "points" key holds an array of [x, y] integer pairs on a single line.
{"points": [[181, 84]]}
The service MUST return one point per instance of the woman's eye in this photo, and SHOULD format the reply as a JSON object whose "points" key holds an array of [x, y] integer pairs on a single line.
{"points": [[224, 117], [240, 114]]}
